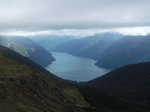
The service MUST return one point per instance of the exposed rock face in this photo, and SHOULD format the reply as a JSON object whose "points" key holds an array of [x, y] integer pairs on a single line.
{"points": [[28, 48]]}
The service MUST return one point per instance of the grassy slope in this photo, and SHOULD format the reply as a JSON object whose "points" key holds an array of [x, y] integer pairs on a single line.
{"points": [[131, 82], [27, 87], [24, 88]]}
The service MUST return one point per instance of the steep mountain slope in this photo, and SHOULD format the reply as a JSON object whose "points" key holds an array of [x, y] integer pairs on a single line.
{"points": [[74, 46], [91, 47], [127, 50], [111, 50], [131, 82], [27, 87], [50, 42], [28, 48], [104, 102], [103, 42]]}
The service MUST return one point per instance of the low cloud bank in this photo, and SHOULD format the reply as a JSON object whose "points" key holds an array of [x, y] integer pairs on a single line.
{"points": [[132, 31]]}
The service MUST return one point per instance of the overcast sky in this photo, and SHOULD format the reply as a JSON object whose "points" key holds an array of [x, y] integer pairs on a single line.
{"points": [[73, 13]]}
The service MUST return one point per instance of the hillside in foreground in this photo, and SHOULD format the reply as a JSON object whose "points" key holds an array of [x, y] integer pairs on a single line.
{"points": [[27, 87], [130, 82]]}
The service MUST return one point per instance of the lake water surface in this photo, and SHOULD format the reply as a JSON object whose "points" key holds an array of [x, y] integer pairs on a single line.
{"points": [[75, 68]]}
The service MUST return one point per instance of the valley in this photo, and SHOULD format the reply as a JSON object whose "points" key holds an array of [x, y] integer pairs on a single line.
{"points": [[27, 87], [75, 68], [75, 81], [110, 50], [74, 56]]}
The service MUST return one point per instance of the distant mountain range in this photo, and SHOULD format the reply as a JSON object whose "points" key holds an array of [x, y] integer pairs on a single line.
{"points": [[92, 47], [28, 48], [127, 50], [111, 50], [50, 42]]}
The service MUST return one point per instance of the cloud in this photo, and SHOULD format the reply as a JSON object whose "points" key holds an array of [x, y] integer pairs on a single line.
{"points": [[78, 33], [46, 13]]}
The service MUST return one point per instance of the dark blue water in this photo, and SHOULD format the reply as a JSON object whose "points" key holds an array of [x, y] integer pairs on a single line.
{"points": [[75, 68]]}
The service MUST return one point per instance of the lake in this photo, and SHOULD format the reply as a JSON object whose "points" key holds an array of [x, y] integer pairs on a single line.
{"points": [[75, 68]]}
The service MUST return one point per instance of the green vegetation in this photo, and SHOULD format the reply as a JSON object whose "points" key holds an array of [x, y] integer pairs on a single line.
{"points": [[27, 87]]}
